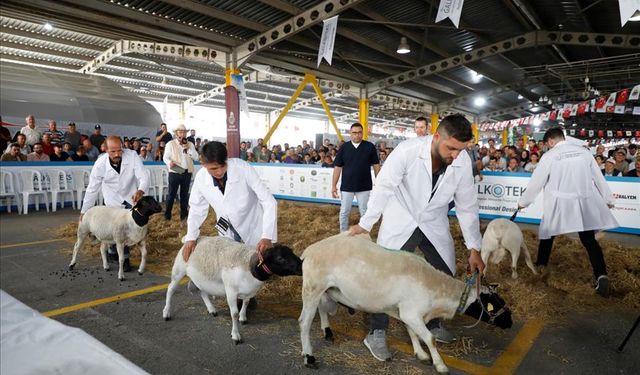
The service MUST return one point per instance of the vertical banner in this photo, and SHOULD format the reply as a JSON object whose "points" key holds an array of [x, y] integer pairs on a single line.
{"points": [[232, 106], [451, 9], [627, 9], [328, 38], [238, 82]]}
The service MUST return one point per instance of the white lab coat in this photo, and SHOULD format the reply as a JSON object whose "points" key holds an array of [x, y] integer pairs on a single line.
{"points": [[247, 203], [575, 192], [116, 188], [401, 194]]}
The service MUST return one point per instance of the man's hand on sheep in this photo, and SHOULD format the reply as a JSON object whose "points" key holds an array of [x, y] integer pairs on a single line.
{"points": [[188, 248], [357, 229], [475, 261], [137, 195], [264, 244]]}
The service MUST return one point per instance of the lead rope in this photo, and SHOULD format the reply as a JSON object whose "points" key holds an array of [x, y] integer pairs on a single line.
{"points": [[477, 300]]}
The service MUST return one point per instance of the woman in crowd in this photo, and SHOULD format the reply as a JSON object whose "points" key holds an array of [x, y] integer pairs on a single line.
{"points": [[600, 161], [533, 163], [273, 158], [524, 158], [328, 162]]}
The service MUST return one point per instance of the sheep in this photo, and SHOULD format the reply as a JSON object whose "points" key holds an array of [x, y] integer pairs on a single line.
{"points": [[124, 227], [358, 273], [221, 267], [500, 236]]}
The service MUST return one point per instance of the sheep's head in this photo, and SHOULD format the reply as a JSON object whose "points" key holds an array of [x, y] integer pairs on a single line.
{"points": [[495, 309], [147, 206], [282, 261]]}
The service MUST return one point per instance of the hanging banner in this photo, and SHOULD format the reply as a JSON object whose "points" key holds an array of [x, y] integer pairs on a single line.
{"points": [[451, 9], [635, 93], [328, 38], [627, 9], [238, 82]]}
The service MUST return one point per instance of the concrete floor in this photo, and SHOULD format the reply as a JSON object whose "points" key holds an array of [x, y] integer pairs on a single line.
{"points": [[196, 343]]}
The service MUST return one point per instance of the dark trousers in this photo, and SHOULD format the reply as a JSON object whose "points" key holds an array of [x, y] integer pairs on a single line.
{"points": [[417, 239], [182, 181], [588, 239], [112, 249]]}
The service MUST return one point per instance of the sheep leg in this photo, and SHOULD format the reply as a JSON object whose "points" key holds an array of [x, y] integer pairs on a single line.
{"points": [[514, 263], [232, 301], [310, 304], [243, 311], [417, 348], [120, 249], [143, 256], [324, 323], [177, 273], [419, 328], [81, 238], [103, 254], [210, 307]]}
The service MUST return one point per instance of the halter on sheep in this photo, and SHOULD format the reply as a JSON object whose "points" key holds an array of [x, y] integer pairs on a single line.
{"points": [[358, 273]]}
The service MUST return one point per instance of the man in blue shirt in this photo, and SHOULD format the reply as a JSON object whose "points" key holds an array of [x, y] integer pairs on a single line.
{"points": [[354, 161]]}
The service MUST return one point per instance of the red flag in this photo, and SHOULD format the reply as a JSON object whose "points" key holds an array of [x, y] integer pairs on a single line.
{"points": [[566, 113], [583, 133], [600, 133], [582, 107], [619, 134], [623, 96], [601, 102], [553, 115], [637, 133]]}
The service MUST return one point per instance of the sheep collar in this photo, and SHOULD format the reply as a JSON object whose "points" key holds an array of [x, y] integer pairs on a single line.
{"points": [[140, 219], [469, 281], [260, 271]]}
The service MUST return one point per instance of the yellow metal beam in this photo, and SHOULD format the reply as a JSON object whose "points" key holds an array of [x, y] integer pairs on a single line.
{"points": [[434, 122], [294, 97], [316, 88], [363, 117], [476, 134], [227, 75], [505, 137]]}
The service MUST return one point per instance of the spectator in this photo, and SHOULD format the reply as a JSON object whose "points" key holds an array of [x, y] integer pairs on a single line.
{"points": [[476, 161], [91, 151], [321, 155], [31, 133], [80, 155], [5, 136], [257, 148], [306, 159], [47, 147], [143, 154], [72, 136], [21, 141], [610, 168], [103, 147], [97, 139], [383, 157], [137, 145], [198, 144], [159, 154], [333, 153], [600, 161], [314, 156], [492, 166], [354, 162], [421, 127], [636, 171], [250, 157], [127, 144], [192, 136], [56, 136], [542, 147], [66, 147], [519, 146], [163, 135], [58, 154], [243, 150], [179, 156], [263, 154], [291, 157], [273, 158], [502, 162], [533, 163], [514, 166], [531, 146], [14, 154], [600, 150], [38, 153], [327, 162], [150, 153], [524, 157], [492, 143], [632, 153], [621, 160]]}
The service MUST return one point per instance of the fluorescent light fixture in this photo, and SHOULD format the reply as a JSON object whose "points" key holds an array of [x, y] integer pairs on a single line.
{"points": [[520, 97], [479, 101], [403, 47], [635, 17], [475, 77], [48, 26]]}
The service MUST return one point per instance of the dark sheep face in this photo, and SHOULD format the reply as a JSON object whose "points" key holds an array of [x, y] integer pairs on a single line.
{"points": [[495, 310], [282, 261], [148, 206]]}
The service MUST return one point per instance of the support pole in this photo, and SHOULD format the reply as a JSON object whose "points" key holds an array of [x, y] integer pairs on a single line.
{"points": [[286, 108], [232, 106], [434, 120], [476, 134], [505, 136], [325, 106], [363, 117]]}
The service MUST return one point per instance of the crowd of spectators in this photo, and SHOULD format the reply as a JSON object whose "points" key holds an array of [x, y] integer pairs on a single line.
{"points": [[54, 145]]}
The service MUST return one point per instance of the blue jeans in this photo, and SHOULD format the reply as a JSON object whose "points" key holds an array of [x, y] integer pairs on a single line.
{"points": [[346, 201]]}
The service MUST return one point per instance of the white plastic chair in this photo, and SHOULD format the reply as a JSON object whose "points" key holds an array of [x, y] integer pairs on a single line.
{"points": [[32, 185], [8, 190], [58, 184], [161, 182], [80, 183], [153, 183]]}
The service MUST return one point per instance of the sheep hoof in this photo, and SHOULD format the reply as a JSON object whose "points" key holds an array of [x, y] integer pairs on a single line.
{"points": [[167, 318], [351, 311], [121, 278], [106, 268], [213, 313], [71, 266], [244, 322], [427, 360], [328, 334], [237, 342], [310, 362], [140, 273]]}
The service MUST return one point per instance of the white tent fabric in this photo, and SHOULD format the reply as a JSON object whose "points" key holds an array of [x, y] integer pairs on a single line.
{"points": [[33, 344]]}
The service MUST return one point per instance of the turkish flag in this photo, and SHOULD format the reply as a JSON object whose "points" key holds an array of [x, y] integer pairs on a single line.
{"points": [[619, 134], [600, 133], [623, 96], [582, 107], [553, 115], [583, 133], [601, 102], [637, 133], [566, 113]]}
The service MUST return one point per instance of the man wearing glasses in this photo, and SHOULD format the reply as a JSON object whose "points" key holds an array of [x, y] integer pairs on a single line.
{"points": [[354, 161]]}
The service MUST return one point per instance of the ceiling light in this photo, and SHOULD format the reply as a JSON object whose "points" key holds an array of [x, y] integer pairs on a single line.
{"points": [[403, 47], [520, 97], [479, 101], [48, 26], [635, 17], [475, 77]]}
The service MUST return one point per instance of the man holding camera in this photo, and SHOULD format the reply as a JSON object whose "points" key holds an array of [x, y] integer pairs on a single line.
{"points": [[179, 155]]}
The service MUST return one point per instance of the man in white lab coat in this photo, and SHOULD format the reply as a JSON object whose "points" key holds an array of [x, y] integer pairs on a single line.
{"points": [[238, 196], [120, 175], [576, 199], [412, 193]]}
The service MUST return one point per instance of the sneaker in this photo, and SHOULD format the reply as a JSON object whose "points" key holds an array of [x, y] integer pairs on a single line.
{"points": [[126, 266], [442, 335], [377, 345], [602, 286]]}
